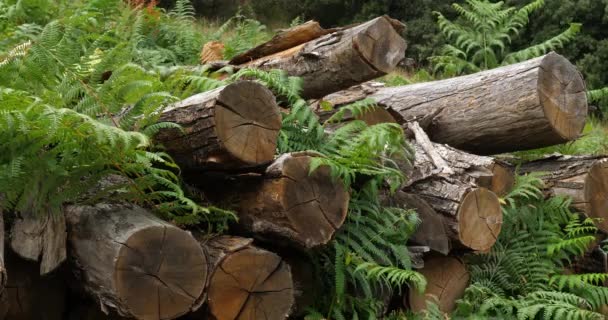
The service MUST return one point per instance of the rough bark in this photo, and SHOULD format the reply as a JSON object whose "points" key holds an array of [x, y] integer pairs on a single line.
{"points": [[447, 278], [341, 59], [232, 126], [40, 238], [28, 295], [451, 183], [536, 103], [582, 178], [286, 202], [135, 263], [247, 282]]}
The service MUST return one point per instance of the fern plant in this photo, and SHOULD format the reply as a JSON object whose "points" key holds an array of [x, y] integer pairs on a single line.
{"points": [[480, 39]]}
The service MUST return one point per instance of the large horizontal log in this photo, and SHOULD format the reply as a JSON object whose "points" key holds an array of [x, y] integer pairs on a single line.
{"points": [[135, 263], [247, 282], [528, 105], [583, 178], [286, 202], [232, 126], [28, 295], [447, 278], [341, 59]]}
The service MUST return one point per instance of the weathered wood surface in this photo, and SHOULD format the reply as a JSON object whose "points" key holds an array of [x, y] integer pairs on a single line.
{"points": [[247, 282], [232, 126], [40, 238], [447, 278], [28, 295], [582, 178], [341, 59], [451, 183], [532, 104], [287, 203], [212, 51], [135, 263]]}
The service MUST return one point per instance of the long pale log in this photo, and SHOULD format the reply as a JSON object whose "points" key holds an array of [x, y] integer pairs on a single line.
{"points": [[232, 126], [247, 282], [341, 59], [583, 178], [28, 295], [286, 202], [447, 278], [532, 104], [135, 263]]}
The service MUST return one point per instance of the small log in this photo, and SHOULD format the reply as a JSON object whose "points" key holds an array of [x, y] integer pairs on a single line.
{"points": [[40, 238], [583, 178], [212, 51], [28, 295], [283, 40], [532, 104], [135, 263], [247, 282], [447, 278], [286, 202], [341, 59], [229, 127]]}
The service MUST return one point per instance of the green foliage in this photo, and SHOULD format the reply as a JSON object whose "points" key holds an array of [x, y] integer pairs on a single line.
{"points": [[480, 39], [239, 34], [522, 276]]}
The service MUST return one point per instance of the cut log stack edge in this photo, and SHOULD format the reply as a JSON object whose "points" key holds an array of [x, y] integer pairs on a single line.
{"points": [[130, 264]]}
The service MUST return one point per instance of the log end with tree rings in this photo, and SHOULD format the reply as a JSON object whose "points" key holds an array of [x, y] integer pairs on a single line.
{"points": [[380, 45], [561, 90], [154, 272], [503, 179], [596, 193], [251, 284], [447, 279], [479, 219]]}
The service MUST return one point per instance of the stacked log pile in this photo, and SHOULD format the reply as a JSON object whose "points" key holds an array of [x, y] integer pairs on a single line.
{"points": [[131, 264]]}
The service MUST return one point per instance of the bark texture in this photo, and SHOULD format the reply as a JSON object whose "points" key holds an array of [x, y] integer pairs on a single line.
{"points": [[232, 126], [447, 278], [341, 59], [532, 104], [582, 178], [135, 263], [247, 283]]}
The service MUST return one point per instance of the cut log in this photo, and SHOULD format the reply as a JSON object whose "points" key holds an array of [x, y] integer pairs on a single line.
{"points": [[286, 202], [212, 51], [447, 278], [341, 59], [283, 40], [232, 126], [40, 238], [583, 178], [135, 263], [536, 103], [247, 282], [30, 296]]}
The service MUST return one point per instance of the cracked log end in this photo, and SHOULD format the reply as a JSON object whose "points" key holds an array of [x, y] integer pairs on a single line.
{"points": [[248, 122], [447, 278], [156, 272], [479, 219], [312, 205], [251, 284], [561, 91], [596, 193], [380, 45]]}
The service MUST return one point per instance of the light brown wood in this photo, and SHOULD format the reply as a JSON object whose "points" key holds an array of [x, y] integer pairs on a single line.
{"points": [[283, 40], [341, 59], [135, 263], [232, 126], [28, 295], [212, 51], [447, 278], [532, 104], [40, 238], [583, 178], [247, 283]]}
